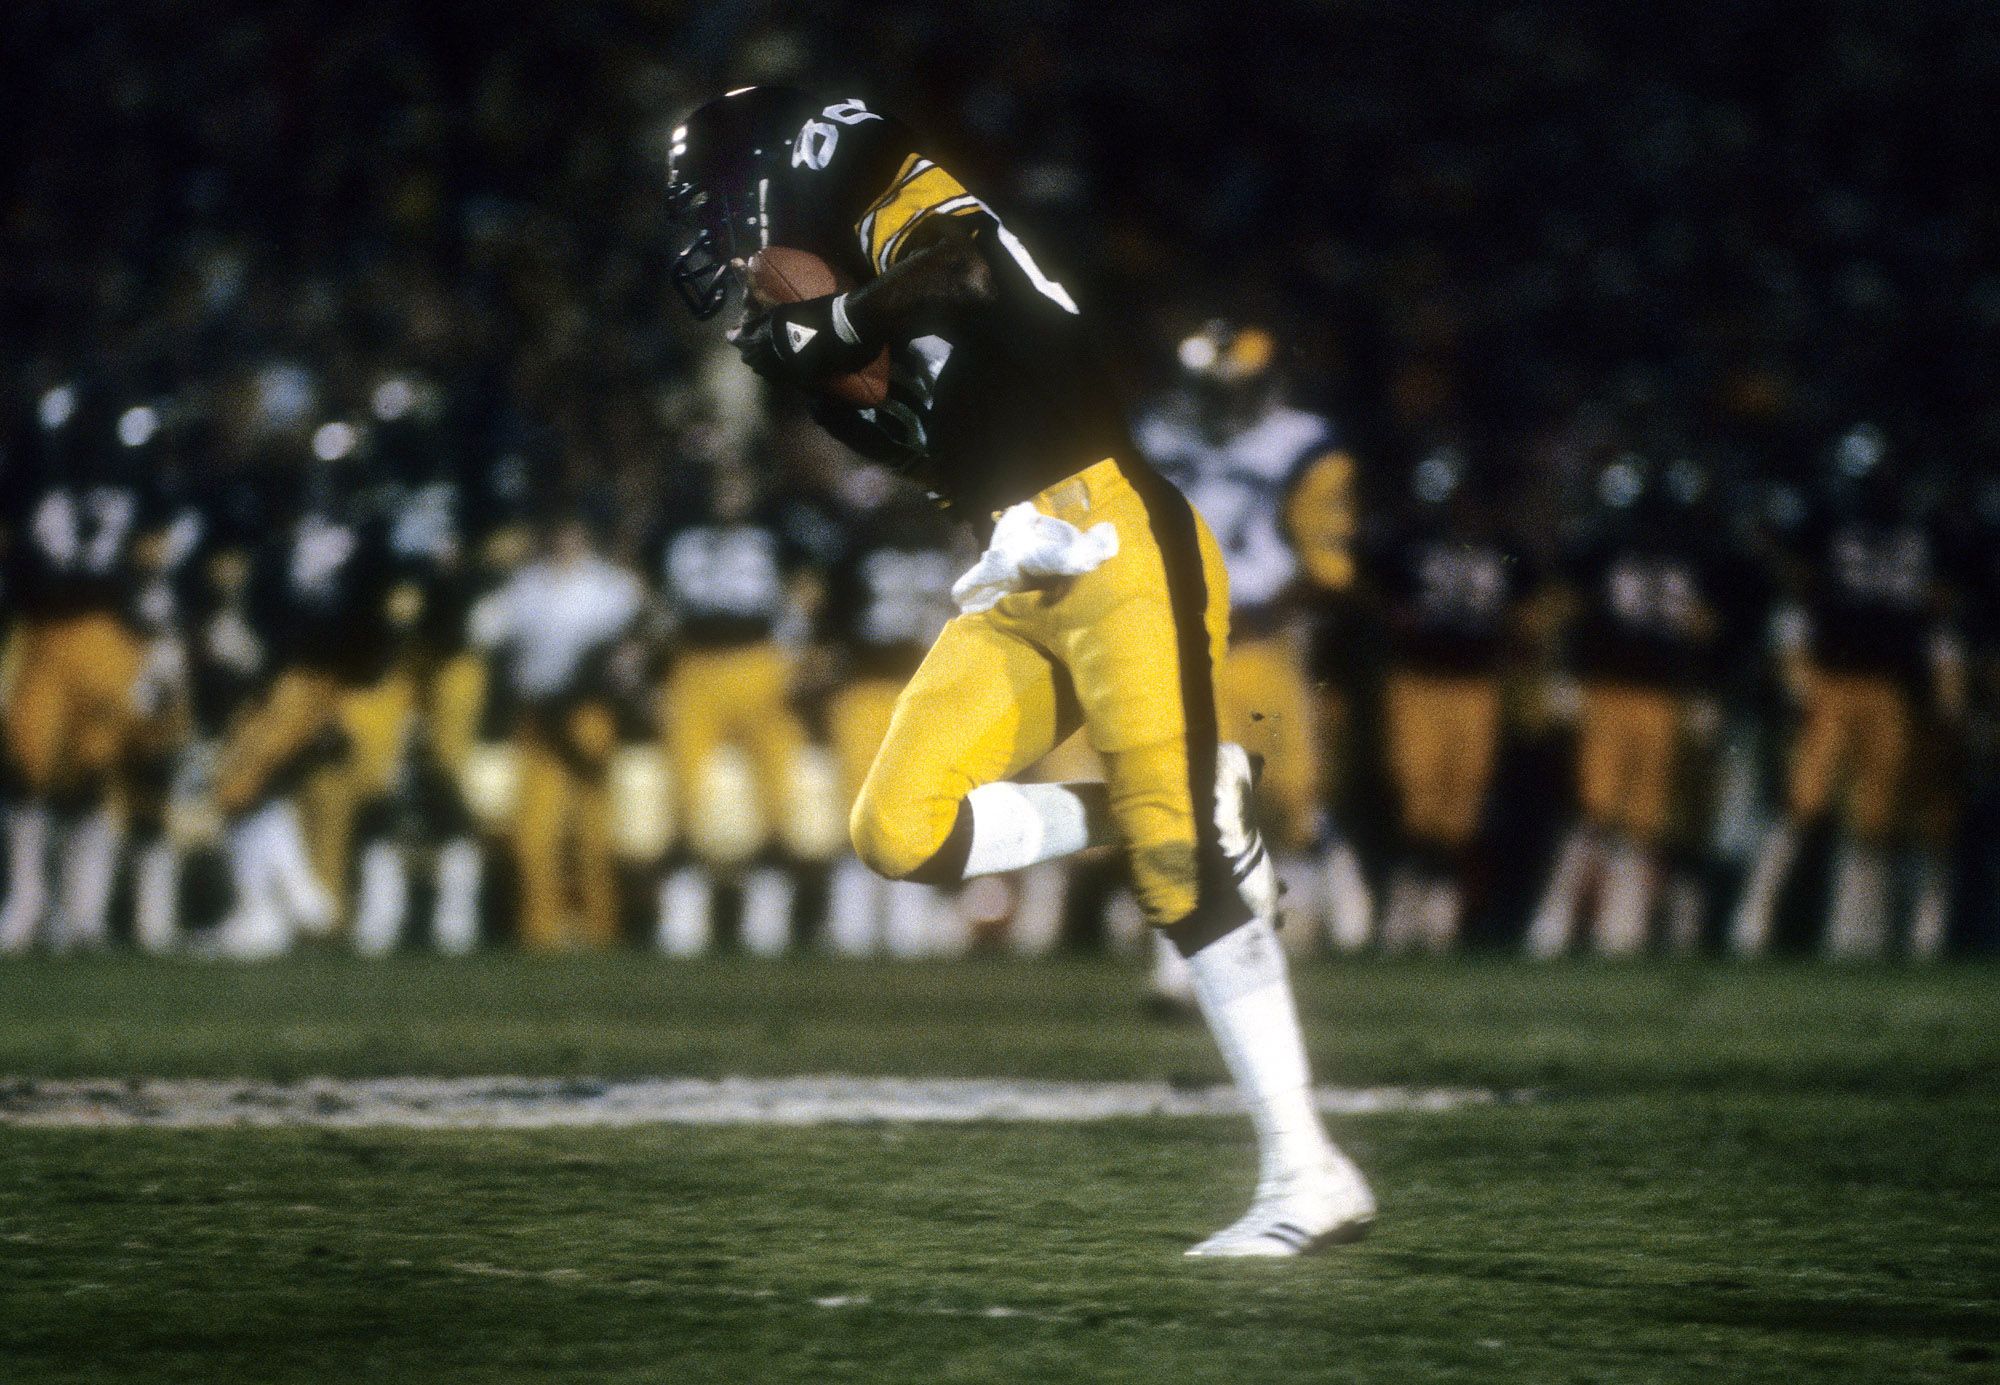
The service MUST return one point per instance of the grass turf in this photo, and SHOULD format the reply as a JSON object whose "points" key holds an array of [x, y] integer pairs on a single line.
{"points": [[1781, 1173]]}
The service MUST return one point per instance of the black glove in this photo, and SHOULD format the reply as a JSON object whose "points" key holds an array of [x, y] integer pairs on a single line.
{"points": [[795, 344]]}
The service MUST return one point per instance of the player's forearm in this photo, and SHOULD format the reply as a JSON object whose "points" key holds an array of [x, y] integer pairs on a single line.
{"points": [[924, 292]]}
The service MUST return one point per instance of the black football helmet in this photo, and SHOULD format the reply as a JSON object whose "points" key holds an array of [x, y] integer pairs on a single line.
{"points": [[727, 173]]}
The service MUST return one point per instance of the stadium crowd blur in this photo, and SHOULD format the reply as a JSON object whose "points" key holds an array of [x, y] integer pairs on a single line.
{"points": [[1601, 404]]}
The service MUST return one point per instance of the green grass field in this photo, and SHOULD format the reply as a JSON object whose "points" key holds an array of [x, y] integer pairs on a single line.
{"points": [[1783, 1173]]}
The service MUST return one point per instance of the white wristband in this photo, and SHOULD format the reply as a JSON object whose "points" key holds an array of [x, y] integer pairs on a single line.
{"points": [[842, 328]]}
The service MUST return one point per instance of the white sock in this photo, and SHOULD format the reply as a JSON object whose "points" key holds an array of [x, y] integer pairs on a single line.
{"points": [[1750, 930], [455, 916], [88, 872], [27, 875], [1350, 910], [1554, 924], [255, 924], [1623, 903], [1172, 979], [1245, 995], [1443, 906], [853, 920], [1042, 906], [1125, 928], [909, 918], [687, 913], [1019, 825], [384, 898], [1403, 923], [1858, 921], [300, 891], [766, 928], [156, 896]]}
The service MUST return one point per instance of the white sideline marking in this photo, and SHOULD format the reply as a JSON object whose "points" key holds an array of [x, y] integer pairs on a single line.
{"points": [[519, 1103]]}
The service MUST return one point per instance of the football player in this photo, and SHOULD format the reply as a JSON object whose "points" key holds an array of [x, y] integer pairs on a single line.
{"points": [[556, 628], [1100, 599], [1641, 646], [1450, 587], [319, 603], [887, 599], [1877, 675], [412, 734], [1273, 483], [86, 536], [732, 569]]}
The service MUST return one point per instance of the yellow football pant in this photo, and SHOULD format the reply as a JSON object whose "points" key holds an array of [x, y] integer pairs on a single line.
{"points": [[375, 723], [1626, 739], [268, 736], [1268, 707], [1861, 725], [70, 714], [731, 696], [1443, 735], [562, 831], [1129, 650], [858, 719]]}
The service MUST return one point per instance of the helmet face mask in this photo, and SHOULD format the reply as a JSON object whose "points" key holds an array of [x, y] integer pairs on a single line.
{"points": [[722, 166]]}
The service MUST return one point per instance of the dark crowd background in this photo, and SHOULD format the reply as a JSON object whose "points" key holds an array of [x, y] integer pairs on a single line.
{"points": [[1542, 234]]}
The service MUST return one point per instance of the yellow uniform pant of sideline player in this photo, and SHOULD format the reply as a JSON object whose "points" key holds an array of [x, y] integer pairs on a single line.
{"points": [[1863, 724], [562, 829], [739, 696], [71, 712], [1626, 739], [1443, 733], [1129, 650]]}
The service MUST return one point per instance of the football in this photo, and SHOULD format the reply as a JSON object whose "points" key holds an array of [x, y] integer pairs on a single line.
{"points": [[779, 274]]}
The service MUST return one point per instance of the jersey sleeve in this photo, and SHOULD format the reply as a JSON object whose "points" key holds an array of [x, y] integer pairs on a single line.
{"points": [[1320, 519], [920, 191]]}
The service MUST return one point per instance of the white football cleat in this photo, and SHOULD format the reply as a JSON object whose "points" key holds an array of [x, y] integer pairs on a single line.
{"points": [[1236, 830], [1307, 1211]]}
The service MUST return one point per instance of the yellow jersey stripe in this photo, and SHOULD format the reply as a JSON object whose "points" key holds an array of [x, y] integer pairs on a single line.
{"points": [[921, 189]]}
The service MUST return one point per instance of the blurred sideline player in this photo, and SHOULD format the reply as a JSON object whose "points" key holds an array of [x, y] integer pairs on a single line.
{"points": [[412, 734], [85, 534], [1101, 600], [1450, 588], [1641, 645], [1240, 454], [320, 597], [730, 567], [887, 598], [554, 629], [1880, 680]]}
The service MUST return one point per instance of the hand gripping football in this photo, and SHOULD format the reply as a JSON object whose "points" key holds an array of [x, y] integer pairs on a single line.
{"points": [[779, 274]]}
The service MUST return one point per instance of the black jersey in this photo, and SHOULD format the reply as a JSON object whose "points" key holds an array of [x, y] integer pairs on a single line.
{"points": [[321, 599], [1872, 596], [1649, 612], [73, 541], [1447, 598], [888, 595], [994, 409], [727, 582]]}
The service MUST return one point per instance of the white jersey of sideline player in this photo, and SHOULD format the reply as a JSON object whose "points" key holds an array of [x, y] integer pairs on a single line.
{"points": [[1239, 483]]}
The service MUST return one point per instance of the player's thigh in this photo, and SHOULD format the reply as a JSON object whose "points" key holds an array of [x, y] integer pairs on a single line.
{"points": [[1818, 750], [1470, 709], [271, 735], [858, 722], [37, 712], [765, 723], [1600, 735], [104, 661], [1652, 759], [983, 706], [1882, 757], [1269, 709], [693, 716], [376, 719]]}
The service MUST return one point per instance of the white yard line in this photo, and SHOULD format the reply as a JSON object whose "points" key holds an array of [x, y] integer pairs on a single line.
{"points": [[474, 1103]]}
